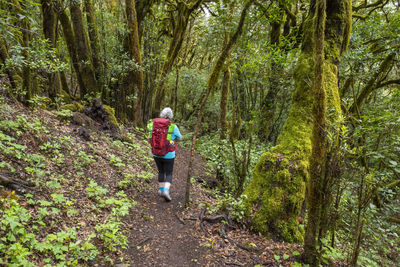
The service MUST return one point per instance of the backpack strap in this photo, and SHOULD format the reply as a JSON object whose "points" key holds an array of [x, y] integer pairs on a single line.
{"points": [[171, 129]]}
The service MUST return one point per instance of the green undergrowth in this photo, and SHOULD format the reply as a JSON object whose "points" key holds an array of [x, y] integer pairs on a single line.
{"points": [[71, 210], [220, 158]]}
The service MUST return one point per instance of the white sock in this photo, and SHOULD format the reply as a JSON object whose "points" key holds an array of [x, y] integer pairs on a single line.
{"points": [[167, 186]]}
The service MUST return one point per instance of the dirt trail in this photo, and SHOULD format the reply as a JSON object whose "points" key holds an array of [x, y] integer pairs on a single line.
{"points": [[158, 237]]}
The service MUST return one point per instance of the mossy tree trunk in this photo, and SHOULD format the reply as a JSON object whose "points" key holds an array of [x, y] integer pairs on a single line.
{"points": [[174, 94], [24, 40], [277, 190], [143, 8], [13, 77], [134, 80], [319, 144], [373, 82], [49, 29], [98, 65], [71, 45], [226, 80], [83, 50]]}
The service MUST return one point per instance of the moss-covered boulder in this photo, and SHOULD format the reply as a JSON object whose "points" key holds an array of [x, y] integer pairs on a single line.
{"points": [[74, 107], [104, 115], [111, 116]]}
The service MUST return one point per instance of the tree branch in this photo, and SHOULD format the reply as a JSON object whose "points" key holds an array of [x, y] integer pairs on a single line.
{"points": [[365, 6], [20, 28], [388, 83]]}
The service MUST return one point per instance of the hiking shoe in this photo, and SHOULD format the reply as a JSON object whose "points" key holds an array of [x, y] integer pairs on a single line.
{"points": [[165, 195]]}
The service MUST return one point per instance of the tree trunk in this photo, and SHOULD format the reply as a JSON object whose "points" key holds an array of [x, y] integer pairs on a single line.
{"points": [[94, 42], [72, 49], [276, 193], [26, 71], [15, 80], [83, 51], [136, 76], [143, 8], [318, 158], [24, 40], [49, 30], [226, 80], [174, 96], [268, 105], [224, 102]]}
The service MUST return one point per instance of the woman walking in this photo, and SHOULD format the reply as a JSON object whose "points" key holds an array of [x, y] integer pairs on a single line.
{"points": [[163, 138]]}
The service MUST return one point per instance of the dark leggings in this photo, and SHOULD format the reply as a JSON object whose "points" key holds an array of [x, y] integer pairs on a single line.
{"points": [[165, 168]]}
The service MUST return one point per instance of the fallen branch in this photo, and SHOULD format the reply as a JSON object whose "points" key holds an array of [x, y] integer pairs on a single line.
{"points": [[201, 218], [222, 231]]}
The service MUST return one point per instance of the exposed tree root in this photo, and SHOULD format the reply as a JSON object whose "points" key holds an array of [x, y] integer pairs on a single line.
{"points": [[16, 184]]}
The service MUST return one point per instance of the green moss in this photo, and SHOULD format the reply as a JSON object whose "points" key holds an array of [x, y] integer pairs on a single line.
{"points": [[275, 193], [74, 107], [331, 92], [111, 116], [348, 18]]}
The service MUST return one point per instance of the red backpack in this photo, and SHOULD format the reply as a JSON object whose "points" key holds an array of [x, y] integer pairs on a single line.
{"points": [[160, 136]]}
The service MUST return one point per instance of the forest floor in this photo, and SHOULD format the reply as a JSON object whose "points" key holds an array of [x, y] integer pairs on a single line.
{"points": [[166, 234]]}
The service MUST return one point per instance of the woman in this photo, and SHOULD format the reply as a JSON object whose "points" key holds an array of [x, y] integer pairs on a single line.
{"points": [[163, 138]]}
